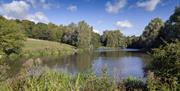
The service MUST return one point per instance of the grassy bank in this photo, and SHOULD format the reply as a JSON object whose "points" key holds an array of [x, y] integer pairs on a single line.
{"points": [[35, 47]]}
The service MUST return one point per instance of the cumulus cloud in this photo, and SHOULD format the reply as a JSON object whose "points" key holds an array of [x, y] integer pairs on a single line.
{"points": [[116, 6], [72, 8], [38, 17], [96, 31], [40, 4], [16, 9], [124, 24], [148, 5], [20, 10]]}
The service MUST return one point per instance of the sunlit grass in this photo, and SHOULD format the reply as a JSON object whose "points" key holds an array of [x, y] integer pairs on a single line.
{"points": [[35, 47]]}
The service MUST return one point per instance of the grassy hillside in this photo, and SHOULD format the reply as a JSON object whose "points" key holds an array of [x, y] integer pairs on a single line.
{"points": [[42, 47]]}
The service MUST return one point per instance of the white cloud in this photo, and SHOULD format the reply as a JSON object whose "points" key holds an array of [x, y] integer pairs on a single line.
{"points": [[44, 4], [124, 24], [96, 31], [148, 5], [38, 17], [20, 10], [116, 6], [15, 9], [72, 8]]}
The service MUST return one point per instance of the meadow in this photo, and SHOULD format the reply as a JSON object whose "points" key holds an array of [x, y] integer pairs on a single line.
{"points": [[37, 48]]}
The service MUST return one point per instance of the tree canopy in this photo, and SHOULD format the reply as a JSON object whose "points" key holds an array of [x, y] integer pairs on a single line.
{"points": [[11, 37], [113, 39]]}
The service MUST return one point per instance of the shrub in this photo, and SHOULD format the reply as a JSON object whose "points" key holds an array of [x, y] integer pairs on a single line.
{"points": [[134, 84]]}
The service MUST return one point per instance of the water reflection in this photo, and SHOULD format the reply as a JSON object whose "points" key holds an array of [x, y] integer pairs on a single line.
{"points": [[119, 63]]}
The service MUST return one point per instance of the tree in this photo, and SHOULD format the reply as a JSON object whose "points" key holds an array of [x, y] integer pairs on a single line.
{"points": [[166, 62], [40, 31], [171, 31], [11, 37], [70, 34], [80, 35], [85, 34], [149, 38], [95, 41], [113, 39], [56, 32], [27, 27], [132, 41]]}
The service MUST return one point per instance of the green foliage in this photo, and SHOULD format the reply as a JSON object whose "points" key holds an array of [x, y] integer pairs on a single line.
{"points": [[166, 61], [81, 36], [150, 37], [134, 84], [166, 66], [27, 27], [84, 38], [58, 81], [70, 35], [11, 37], [155, 83], [157, 32], [132, 41], [113, 39], [56, 32], [95, 41], [171, 30]]}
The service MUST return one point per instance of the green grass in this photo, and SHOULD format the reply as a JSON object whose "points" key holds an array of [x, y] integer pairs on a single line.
{"points": [[35, 47]]}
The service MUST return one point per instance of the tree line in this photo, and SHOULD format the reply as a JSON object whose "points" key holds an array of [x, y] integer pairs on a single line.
{"points": [[158, 32], [80, 35]]}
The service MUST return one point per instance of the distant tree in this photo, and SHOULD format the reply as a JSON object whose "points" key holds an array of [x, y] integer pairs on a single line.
{"points": [[70, 34], [56, 32], [27, 27], [113, 39], [132, 41], [41, 31], [85, 34], [80, 35], [11, 37], [95, 41]]}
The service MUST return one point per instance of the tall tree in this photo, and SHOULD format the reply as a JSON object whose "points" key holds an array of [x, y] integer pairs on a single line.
{"points": [[84, 37], [171, 32], [95, 41], [11, 37], [113, 39], [149, 38]]}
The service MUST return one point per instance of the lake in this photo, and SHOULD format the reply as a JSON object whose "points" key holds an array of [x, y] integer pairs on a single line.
{"points": [[119, 63]]}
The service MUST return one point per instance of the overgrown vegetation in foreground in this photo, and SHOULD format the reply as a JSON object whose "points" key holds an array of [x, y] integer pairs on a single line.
{"points": [[59, 81]]}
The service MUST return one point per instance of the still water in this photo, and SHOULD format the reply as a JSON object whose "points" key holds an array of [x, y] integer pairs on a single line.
{"points": [[119, 63]]}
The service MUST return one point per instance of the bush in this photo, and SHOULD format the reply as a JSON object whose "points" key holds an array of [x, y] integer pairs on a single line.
{"points": [[166, 61], [134, 84], [166, 68]]}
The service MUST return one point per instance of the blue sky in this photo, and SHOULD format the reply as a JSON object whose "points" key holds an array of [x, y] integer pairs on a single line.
{"points": [[129, 16]]}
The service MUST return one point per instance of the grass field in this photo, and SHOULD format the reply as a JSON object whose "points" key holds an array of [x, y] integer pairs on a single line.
{"points": [[42, 47]]}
